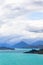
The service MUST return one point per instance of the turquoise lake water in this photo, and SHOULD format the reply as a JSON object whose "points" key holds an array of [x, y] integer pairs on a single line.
{"points": [[14, 58]]}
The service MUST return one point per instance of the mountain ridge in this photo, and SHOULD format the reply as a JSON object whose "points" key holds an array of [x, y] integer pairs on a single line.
{"points": [[23, 44]]}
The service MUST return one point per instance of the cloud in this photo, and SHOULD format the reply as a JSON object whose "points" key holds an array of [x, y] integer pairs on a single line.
{"points": [[15, 18], [12, 11], [35, 29], [10, 39], [1, 2], [11, 8], [37, 2]]}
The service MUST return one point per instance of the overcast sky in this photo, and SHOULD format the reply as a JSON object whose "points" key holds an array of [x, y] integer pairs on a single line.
{"points": [[21, 19]]}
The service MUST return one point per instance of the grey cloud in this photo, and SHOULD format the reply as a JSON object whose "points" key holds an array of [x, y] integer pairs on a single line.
{"points": [[10, 38], [11, 11], [14, 11], [40, 3], [12, 7], [2, 1], [35, 29], [1, 23]]}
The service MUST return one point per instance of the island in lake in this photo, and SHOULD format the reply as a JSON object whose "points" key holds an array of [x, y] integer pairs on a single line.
{"points": [[33, 51]]}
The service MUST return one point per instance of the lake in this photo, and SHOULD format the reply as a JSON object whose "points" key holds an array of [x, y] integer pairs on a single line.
{"points": [[19, 58]]}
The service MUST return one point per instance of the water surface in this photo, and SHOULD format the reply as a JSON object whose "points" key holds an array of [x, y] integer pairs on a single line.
{"points": [[14, 58]]}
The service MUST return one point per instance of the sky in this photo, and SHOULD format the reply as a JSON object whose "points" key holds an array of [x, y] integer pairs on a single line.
{"points": [[21, 19]]}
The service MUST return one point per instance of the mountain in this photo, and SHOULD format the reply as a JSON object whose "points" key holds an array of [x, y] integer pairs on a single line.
{"points": [[5, 45], [39, 42], [21, 44]]}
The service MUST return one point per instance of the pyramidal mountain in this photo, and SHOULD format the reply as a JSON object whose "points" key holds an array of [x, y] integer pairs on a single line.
{"points": [[21, 44]]}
